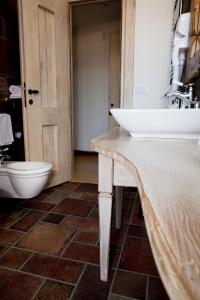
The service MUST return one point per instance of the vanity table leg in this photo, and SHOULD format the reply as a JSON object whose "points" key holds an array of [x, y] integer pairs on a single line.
{"points": [[105, 209], [118, 201]]}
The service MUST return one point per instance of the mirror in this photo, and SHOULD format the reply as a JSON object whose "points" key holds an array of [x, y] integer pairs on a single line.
{"points": [[189, 56], [193, 55]]}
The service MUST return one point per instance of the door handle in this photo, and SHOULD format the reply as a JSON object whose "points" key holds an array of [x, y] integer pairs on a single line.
{"points": [[35, 92], [111, 105]]}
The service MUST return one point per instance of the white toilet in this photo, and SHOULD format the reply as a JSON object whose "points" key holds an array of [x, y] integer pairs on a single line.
{"points": [[24, 179]]}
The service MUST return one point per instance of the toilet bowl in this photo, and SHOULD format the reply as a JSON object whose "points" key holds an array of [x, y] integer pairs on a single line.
{"points": [[23, 179]]}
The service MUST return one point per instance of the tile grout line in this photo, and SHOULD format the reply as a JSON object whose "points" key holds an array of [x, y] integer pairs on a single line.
{"points": [[55, 205], [27, 260], [53, 256], [27, 232], [9, 226], [137, 237], [38, 276], [138, 273], [122, 297], [38, 289], [78, 281], [147, 288], [4, 253], [71, 240], [14, 245], [68, 243], [92, 210], [133, 207]]}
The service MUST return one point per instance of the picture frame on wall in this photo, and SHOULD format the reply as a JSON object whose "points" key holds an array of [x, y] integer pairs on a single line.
{"points": [[193, 55]]}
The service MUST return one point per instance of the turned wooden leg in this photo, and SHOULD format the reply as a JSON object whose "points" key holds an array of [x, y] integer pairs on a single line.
{"points": [[105, 210], [118, 201]]}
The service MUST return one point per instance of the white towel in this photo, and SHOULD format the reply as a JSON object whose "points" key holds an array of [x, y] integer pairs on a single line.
{"points": [[6, 134], [16, 91]]}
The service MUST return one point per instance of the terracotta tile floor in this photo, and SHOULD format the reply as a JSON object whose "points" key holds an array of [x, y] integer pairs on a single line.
{"points": [[49, 249]]}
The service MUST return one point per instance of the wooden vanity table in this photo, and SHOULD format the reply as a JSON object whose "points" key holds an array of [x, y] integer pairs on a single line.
{"points": [[167, 174]]}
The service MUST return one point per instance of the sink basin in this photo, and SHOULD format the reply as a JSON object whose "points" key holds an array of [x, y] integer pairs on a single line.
{"points": [[160, 123]]}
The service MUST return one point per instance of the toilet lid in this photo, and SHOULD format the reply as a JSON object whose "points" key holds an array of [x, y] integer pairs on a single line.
{"points": [[28, 167]]}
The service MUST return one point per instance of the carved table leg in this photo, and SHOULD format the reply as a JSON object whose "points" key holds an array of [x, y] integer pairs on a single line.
{"points": [[118, 212], [105, 209]]}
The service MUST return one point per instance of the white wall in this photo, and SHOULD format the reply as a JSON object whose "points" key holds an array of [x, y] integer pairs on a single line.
{"points": [[91, 54], [152, 52]]}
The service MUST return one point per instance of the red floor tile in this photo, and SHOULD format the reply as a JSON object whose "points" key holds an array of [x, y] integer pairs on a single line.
{"points": [[88, 237], [136, 217], [25, 223], [6, 221], [87, 188], [130, 285], [55, 268], [137, 231], [156, 290], [14, 258], [91, 197], [91, 287], [53, 218], [82, 223], [17, 286], [117, 236], [84, 253], [9, 237], [52, 290], [3, 248], [89, 254], [37, 205], [67, 186], [75, 195], [74, 207], [137, 256], [75, 218], [47, 238]]}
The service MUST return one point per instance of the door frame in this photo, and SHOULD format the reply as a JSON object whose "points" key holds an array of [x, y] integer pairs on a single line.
{"points": [[22, 74], [127, 55], [127, 59], [127, 47]]}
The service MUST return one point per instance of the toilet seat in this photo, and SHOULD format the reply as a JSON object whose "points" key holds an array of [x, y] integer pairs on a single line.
{"points": [[28, 168]]}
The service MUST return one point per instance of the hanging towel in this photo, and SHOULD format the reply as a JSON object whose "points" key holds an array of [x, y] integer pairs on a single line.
{"points": [[6, 134], [16, 91]]}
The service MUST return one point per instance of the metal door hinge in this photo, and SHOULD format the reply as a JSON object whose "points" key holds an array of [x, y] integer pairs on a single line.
{"points": [[24, 94]]}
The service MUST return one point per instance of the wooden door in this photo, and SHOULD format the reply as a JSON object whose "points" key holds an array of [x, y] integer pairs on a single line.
{"points": [[114, 74], [45, 68]]}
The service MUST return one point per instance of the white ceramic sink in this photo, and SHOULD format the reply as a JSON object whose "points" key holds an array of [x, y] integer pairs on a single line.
{"points": [[160, 123]]}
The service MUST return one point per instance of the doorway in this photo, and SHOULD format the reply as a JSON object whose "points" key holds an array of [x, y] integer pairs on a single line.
{"points": [[10, 77], [96, 55]]}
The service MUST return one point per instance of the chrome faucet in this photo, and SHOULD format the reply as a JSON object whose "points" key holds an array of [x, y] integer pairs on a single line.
{"points": [[2, 158], [185, 99]]}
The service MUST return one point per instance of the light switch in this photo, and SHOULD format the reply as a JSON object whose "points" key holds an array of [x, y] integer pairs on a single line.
{"points": [[142, 89]]}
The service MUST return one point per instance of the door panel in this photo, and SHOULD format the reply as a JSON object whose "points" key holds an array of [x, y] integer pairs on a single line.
{"points": [[45, 67]]}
